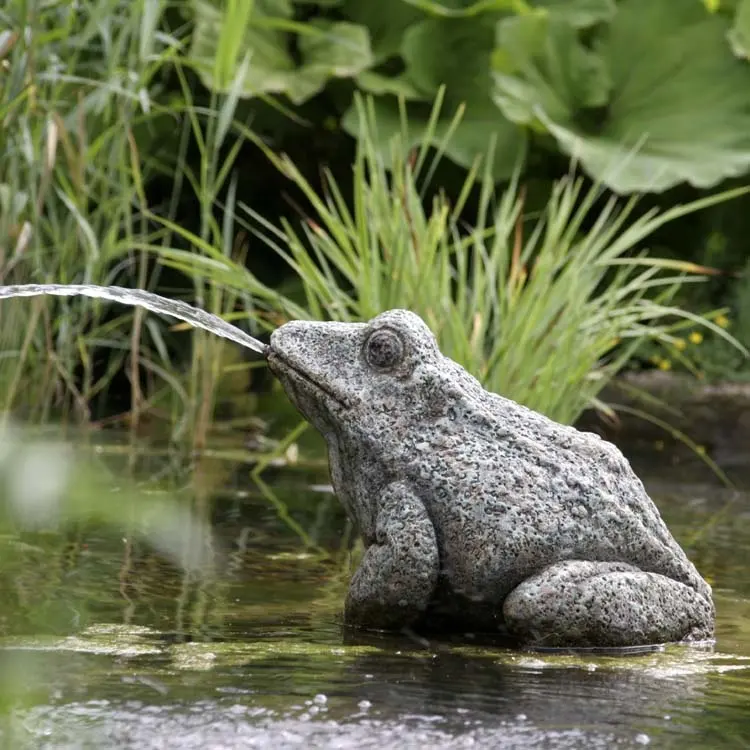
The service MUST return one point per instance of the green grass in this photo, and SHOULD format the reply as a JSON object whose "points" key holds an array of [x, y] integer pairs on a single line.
{"points": [[66, 161], [85, 122], [539, 309]]}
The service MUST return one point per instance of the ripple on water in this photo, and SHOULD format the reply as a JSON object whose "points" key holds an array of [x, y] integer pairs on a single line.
{"points": [[210, 725], [395, 699], [275, 671]]}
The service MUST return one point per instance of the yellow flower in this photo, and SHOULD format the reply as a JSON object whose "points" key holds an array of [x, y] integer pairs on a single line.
{"points": [[712, 5], [665, 364], [696, 337], [680, 344], [723, 321]]}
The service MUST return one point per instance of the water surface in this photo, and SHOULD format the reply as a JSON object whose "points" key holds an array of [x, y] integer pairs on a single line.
{"points": [[107, 644]]}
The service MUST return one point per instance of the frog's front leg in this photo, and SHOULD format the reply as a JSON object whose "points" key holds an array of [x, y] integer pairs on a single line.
{"points": [[577, 603], [398, 574]]}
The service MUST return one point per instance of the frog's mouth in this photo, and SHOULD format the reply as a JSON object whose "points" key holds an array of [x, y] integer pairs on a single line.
{"points": [[287, 371]]}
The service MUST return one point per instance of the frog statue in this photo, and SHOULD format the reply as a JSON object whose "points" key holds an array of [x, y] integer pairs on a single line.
{"points": [[478, 514]]}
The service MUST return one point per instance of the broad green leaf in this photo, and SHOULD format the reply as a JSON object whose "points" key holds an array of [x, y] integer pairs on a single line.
{"points": [[386, 20], [328, 50], [678, 108], [540, 64], [469, 8], [432, 49], [377, 83], [479, 127], [739, 34], [579, 13], [271, 65]]}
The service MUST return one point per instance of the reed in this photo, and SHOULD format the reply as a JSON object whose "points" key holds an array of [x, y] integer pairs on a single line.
{"points": [[86, 122]]}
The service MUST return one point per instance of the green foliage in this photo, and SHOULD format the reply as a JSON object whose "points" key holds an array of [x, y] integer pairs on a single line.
{"points": [[81, 143], [671, 89], [259, 30], [739, 34], [117, 166], [50, 489], [70, 197], [709, 356], [539, 309], [666, 81]]}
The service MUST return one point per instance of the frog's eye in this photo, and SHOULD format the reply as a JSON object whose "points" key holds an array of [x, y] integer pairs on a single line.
{"points": [[384, 350]]}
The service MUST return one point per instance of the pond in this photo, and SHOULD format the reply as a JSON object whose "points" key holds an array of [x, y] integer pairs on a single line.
{"points": [[109, 645]]}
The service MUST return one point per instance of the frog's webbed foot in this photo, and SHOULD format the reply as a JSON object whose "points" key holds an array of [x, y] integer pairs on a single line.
{"points": [[398, 574], [580, 604]]}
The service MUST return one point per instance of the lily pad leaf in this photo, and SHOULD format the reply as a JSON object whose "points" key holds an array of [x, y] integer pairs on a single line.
{"points": [[678, 108], [328, 50]]}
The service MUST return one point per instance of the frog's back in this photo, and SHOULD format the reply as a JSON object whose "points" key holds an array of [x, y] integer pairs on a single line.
{"points": [[511, 491]]}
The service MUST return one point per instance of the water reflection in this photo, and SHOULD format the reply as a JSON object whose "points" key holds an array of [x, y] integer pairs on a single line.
{"points": [[113, 645], [327, 697]]}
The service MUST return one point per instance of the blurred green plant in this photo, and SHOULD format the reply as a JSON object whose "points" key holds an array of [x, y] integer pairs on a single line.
{"points": [[51, 490], [85, 109], [111, 549], [666, 80]]}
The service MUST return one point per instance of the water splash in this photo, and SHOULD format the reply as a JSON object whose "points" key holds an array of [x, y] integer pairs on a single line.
{"points": [[137, 297]]}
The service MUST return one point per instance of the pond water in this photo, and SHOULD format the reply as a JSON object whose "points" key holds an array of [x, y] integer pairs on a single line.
{"points": [[105, 644]]}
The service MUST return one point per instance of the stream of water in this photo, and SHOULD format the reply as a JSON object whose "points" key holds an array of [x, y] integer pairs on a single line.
{"points": [[139, 298]]}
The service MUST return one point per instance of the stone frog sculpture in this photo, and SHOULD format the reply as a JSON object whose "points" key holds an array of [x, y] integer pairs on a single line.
{"points": [[479, 514]]}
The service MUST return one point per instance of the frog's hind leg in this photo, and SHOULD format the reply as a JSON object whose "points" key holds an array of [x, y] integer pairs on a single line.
{"points": [[581, 604]]}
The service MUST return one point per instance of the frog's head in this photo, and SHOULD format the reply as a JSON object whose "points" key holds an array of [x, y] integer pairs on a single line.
{"points": [[373, 390], [353, 377]]}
